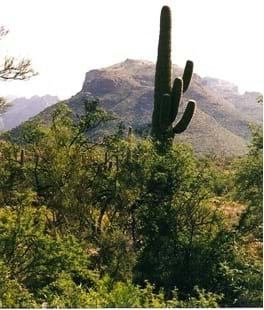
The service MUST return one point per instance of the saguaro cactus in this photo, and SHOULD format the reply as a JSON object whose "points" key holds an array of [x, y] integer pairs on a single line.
{"points": [[167, 98]]}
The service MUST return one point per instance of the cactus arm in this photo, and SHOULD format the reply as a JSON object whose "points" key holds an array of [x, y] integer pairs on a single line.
{"points": [[186, 118], [187, 75], [176, 97]]}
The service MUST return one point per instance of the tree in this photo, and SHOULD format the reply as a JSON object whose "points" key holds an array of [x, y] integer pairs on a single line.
{"points": [[177, 223]]}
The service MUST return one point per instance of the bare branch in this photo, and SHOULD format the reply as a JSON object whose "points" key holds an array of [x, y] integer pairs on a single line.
{"points": [[16, 70], [13, 69]]}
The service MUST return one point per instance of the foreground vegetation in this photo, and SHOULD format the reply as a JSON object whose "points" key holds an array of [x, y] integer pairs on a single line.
{"points": [[115, 223]]}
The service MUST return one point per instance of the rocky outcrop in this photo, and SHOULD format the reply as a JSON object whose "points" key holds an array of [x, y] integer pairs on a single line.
{"points": [[220, 123], [222, 87]]}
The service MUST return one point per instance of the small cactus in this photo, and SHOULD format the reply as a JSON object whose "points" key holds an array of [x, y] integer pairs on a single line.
{"points": [[167, 98], [22, 155], [129, 141]]}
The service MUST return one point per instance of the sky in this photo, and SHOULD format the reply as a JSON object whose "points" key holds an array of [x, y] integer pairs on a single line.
{"points": [[66, 38]]}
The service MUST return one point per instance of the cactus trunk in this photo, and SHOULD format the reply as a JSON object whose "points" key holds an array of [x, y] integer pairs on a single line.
{"points": [[163, 67]]}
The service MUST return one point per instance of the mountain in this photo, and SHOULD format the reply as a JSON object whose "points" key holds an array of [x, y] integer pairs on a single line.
{"points": [[220, 123], [21, 109]]}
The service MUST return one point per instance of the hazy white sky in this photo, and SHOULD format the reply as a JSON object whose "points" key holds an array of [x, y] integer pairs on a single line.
{"points": [[66, 38]]}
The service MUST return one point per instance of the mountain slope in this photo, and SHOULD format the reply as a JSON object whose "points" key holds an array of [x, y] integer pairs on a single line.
{"points": [[220, 123]]}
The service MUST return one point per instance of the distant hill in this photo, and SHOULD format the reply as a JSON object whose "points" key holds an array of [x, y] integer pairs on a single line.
{"points": [[21, 109], [245, 103], [220, 123]]}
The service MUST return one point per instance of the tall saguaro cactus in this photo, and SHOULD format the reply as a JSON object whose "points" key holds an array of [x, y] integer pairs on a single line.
{"points": [[167, 98]]}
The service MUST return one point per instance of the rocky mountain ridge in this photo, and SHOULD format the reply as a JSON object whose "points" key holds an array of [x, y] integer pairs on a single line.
{"points": [[222, 116]]}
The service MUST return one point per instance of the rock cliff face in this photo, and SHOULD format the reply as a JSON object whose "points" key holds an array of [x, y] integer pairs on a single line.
{"points": [[245, 103], [223, 88], [220, 123]]}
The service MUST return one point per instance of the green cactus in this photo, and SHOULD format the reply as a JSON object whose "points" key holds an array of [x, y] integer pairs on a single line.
{"points": [[129, 142], [167, 98], [22, 153]]}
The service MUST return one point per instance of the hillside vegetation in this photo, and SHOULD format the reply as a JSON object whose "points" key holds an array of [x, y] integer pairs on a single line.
{"points": [[113, 223]]}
